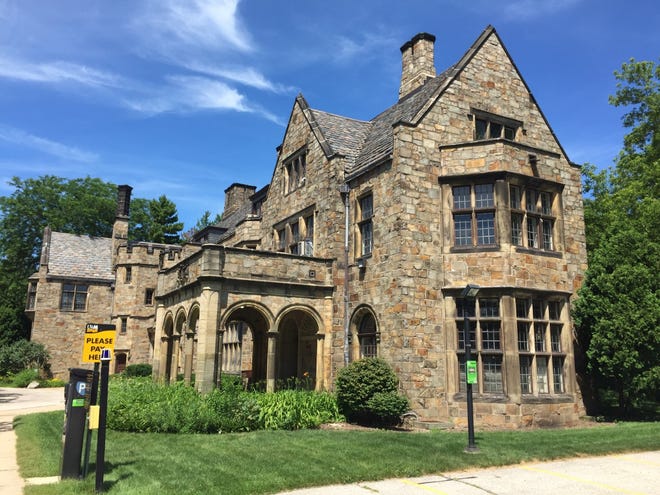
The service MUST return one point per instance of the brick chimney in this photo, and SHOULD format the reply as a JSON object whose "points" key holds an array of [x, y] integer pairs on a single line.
{"points": [[417, 62], [235, 196], [120, 227]]}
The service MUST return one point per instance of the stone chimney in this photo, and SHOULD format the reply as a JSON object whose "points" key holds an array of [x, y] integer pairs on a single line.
{"points": [[120, 227], [235, 196], [417, 62]]}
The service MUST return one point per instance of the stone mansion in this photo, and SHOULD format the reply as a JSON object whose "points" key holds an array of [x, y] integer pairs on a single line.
{"points": [[362, 245]]}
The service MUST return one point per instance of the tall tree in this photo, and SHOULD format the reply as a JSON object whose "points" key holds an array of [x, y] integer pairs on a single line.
{"points": [[618, 313], [155, 220], [79, 206]]}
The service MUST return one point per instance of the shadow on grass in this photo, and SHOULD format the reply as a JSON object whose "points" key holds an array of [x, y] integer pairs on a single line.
{"points": [[109, 468]]}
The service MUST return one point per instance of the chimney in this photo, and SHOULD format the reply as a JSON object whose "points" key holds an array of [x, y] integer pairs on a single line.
{"points": [[235, 196], [120, 227], [417, 62]]}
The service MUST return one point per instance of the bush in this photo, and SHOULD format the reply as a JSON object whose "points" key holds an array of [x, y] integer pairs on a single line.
{"points": [[142, 405], [22, 355], [24, 378], [141, 369], [367, 393]]}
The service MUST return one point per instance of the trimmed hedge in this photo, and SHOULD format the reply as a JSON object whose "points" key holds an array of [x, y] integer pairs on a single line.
{"points": [[367, 393]]}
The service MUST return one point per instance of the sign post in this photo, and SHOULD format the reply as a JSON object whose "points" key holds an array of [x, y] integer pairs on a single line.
{"points": [[103, 408]]}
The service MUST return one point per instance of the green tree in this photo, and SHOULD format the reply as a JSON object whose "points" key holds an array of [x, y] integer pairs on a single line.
{"points": [[618, 313], [155, 220], [79, 206]]}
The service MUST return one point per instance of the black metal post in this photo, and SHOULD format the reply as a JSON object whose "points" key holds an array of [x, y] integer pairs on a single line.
{"points": [[471, 446], [469, 294], [100, 436]]}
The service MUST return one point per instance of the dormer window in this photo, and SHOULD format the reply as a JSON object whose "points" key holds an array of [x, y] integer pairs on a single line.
{"points": [[295, 170], [490, 126]]}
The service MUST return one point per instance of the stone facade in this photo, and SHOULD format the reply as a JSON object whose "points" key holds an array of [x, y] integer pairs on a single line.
{"points": [[363, 241]]}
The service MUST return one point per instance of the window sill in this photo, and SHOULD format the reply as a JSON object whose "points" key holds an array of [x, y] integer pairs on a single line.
{"points": [[474, 249], [539, 252], [486, 398], [546, 399]]}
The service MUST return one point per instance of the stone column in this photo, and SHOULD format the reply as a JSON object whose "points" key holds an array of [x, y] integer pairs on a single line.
{"points": [[319, 385], [188, 358], [174, 362], [271, 361], [158, 369], [205, 372]]}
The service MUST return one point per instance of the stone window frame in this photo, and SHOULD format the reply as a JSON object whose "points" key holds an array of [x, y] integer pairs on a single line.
{"points": [[487, 126], [474, 216], [295, 171], [483, 316], [128, 274], [123, 325], [364, 211], [542, 366], [293, 235], [32, 296], [534, 215], [71, 295], [149, 296], [364, 335]]}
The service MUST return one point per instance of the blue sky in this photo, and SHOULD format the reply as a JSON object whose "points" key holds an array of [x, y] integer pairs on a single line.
{"points": [[185, 97]]}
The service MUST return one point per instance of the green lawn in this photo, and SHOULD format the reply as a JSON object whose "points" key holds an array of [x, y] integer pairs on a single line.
{"points": [[272, 461]]}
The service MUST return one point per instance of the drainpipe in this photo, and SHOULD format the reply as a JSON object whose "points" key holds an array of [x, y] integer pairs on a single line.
{"points": [[344, 190]]}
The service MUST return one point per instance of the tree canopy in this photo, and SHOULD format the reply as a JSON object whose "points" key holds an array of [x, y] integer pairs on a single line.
{"points": [[77, 206], [618, 313]]}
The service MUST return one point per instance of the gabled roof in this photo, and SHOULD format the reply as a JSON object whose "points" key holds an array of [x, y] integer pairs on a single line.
{"points": [[80, 257], [366, 144]]}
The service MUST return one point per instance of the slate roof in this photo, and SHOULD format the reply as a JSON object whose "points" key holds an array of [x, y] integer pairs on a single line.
{"points": [[80, 257], [344, 135]]}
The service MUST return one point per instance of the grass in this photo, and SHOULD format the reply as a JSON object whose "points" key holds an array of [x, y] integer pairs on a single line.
{"points": [[273, 461]]}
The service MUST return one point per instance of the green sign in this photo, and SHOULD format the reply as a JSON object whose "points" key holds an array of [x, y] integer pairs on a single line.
{"points": [[471, 367], [78, 403]]}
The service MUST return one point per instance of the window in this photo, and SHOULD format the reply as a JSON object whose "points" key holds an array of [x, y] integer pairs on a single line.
{"points": [[281, 239], [488, 126], [295, 173], [366, 212], [32, 295], [541, 360], [309, 236], [474, 215], [128, 274], [124, 325], [148, 297], [294, 239], [231, 347], [74, 297], [532, 213], [368, 337], [485, 341]]}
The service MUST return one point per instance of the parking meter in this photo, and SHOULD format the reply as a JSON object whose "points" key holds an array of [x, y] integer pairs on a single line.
{"points": [[76, 395]]}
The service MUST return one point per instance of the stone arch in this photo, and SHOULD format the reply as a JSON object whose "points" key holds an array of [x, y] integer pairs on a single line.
{"points": [[245, 342], [299, 352], [178, 342], [364, 332]]}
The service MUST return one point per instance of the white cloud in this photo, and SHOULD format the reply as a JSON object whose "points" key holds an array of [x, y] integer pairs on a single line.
{"points": [[57, 72], [199, 24], [24, 139], [247, 76]]}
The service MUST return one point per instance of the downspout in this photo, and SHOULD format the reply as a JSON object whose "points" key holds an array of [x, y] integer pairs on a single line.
{"points": [[344, 190]]}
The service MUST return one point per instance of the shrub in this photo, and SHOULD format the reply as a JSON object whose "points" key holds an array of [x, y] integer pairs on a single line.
{"points": [[22, 355], [141, 369], [367, 393], [24, 378], [142, 405]]}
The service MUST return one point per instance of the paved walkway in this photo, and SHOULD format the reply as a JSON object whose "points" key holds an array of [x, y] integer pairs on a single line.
{"points": [[15, 402]]}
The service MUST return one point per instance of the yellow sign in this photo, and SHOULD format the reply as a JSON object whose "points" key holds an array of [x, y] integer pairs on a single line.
{"points": [[97, 337]]}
